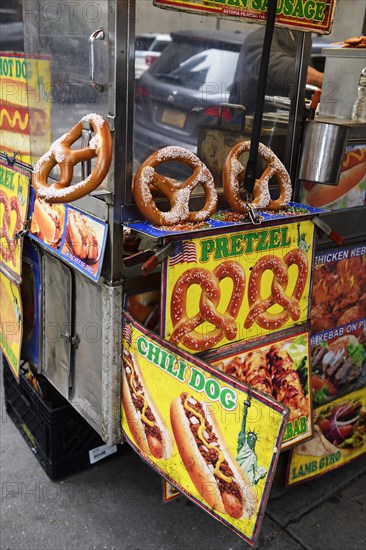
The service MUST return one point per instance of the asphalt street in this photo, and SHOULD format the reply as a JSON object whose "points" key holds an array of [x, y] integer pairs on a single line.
{"points": [[117, 504]]}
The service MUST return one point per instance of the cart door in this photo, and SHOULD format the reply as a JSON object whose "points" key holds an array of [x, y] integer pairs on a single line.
{"points": [[67, 49], [57, 325]]}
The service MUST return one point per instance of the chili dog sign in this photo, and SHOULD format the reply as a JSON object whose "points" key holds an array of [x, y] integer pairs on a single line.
{"points": [[305, 15], [236, 286], [213, 438]]}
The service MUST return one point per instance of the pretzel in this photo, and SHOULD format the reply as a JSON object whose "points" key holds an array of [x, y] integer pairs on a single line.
{"points": [[178, 194], [8, 251], [233, 176], [258, 307], [60, 153], [185, 328]]}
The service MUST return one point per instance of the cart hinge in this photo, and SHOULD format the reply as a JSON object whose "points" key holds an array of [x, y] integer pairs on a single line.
{"points": [[23, 232], [73, 340], [11, 160], [253, 214]]}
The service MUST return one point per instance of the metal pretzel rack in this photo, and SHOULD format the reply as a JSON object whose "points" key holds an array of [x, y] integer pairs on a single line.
{"points": [[188, 339]]}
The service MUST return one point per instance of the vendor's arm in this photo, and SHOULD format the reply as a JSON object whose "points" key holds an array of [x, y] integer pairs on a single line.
{"points": [[314, 77], [281, 67], [280, 70]]}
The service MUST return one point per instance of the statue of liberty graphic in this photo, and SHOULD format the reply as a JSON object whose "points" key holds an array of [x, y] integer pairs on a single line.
{"points": [[301, 240], [247, 457]]}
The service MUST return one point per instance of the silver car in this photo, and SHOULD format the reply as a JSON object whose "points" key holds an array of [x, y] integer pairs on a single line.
{"points": [[148, 48], [190, 80]]}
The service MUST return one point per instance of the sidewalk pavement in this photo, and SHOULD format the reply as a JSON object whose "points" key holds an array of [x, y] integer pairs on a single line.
{"points": [[117, 505]]}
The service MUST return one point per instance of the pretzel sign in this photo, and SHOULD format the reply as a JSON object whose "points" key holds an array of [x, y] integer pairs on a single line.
{"points": [[178, 194], [233, 176], [184, 327], [60, 153], [258, 307], [7, 249]]}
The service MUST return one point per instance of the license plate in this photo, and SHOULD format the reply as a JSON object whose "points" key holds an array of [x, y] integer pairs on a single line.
{"points": [[174, 118]]}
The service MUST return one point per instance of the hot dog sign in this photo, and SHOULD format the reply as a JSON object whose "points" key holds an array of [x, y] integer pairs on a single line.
{"points": [[215, 439], [229, 287]]}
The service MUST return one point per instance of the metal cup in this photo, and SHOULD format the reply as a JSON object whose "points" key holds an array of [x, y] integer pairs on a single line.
{"points": [[322, 152]]}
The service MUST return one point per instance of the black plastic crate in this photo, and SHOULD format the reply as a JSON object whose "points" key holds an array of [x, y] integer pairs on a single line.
{"points": [[59, 437]]}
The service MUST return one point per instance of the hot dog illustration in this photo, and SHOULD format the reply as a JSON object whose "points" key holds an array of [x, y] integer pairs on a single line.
{"points": [[353, 173], [209, 462], [81, 237], [146, 424], [48, 222]]}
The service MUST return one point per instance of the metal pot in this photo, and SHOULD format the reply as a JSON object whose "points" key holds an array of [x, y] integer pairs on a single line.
{"points": [[322, 152]]}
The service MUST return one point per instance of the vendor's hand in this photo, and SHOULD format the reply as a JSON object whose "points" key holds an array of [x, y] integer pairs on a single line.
{"points": [[314, 77]]}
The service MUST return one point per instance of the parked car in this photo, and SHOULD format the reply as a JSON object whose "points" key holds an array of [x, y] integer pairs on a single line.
{"points": [[191, 78], [148, 48], [185, 87], [11, 28]]}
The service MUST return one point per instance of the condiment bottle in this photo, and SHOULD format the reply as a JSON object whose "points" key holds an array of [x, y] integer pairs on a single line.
{"points": [[359, 108]]}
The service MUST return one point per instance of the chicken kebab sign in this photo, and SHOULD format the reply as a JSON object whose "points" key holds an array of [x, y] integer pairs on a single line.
{"points": [[212, 437], [338, 322], [231, 287]]}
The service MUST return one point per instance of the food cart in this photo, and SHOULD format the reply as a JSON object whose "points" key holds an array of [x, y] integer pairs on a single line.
{"points": [[187, 329]]}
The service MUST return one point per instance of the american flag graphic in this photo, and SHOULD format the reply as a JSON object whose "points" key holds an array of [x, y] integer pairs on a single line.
{"points": [[127, 332], [183, 251]]}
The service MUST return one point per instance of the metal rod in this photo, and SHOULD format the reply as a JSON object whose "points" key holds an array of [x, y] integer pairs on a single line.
{"points": [[297, 106], [121, 102], [251, 168]]}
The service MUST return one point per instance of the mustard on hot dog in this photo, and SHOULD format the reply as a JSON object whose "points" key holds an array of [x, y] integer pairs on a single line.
{"points": [[208, 461]]}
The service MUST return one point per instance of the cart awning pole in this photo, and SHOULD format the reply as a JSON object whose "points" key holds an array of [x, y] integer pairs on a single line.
{"points": [[251, 169]]}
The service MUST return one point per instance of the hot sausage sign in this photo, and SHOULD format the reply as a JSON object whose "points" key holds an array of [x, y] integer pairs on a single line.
{"points": [[212, 437], [305, 15], [234, 286]]}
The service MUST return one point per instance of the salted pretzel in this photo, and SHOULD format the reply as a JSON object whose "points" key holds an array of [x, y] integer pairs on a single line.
{"points": [[258, 312], [60, 153], [225, 325], [177, 193], [233, 175], [7, 249]]}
